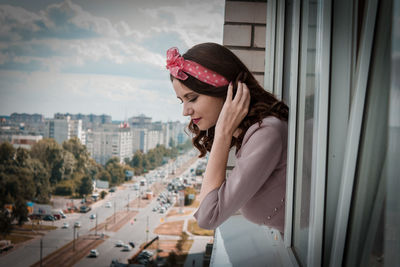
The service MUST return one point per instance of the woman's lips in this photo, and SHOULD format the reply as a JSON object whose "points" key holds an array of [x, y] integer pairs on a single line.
{"points": [[196, 121]]}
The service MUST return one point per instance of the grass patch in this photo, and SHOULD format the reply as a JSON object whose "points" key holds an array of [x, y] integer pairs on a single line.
{"points": [[195, 229], [15, 239]]}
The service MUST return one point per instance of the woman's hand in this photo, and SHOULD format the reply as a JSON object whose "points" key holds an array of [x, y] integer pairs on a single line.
{"points": [[233, 111]]}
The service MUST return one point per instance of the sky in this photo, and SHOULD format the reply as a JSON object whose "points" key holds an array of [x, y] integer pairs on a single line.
{"points": [[98, 56]]}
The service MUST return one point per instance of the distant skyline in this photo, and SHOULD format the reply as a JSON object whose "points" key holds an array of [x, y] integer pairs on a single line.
{"points": [[100, 57]]}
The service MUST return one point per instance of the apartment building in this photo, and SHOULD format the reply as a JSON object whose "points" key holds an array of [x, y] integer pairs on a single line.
{"points": [[109, 141], [62, 128]]}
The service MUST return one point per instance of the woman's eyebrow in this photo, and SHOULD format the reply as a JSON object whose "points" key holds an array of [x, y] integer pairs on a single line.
{"points": [[186, 95]]}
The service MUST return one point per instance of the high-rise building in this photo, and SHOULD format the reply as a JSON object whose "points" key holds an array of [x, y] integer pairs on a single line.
{"points": [[109, 141], [62, 128]]}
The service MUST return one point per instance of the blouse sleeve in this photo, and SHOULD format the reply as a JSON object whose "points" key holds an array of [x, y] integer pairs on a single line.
{"points": [[259, 156]]}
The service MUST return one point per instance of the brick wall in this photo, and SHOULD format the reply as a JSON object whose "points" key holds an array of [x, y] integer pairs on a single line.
{"points": [[244, 33]]}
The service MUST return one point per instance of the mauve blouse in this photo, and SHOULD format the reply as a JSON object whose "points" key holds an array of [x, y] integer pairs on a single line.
{"points": [[257, 184]]}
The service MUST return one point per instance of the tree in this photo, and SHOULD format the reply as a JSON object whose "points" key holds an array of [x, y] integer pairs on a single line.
{"points": [[79, 151], [116, 171], [65, 188], [40, 180], [7, 153], [181, 242], [104, 176], [20, 211], [86, 186], [103, 194], [50, 153], [5, 222]]}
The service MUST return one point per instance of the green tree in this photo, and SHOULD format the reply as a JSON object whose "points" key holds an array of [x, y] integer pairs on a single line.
{"points": [[65, 188], [104, 176], [86, 186], [79, 151], [5, 222], [50, 153], [41, 184], [116, 171], [7, 153], [181, 242], [20, 210]]}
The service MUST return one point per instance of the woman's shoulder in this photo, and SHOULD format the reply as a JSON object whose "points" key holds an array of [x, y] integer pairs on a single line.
{"points": [[271, 128], [268, 123]]}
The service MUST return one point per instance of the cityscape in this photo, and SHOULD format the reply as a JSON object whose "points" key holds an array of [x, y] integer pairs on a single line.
{"points": [[90, 191], [95, 158], [102, 137], [98, 168]]}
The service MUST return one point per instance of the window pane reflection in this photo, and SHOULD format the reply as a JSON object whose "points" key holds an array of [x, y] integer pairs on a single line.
{"points": [[305, 129]]}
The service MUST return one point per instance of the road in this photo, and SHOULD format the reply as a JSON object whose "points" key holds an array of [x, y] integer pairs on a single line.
{"points": [[134, 231]]}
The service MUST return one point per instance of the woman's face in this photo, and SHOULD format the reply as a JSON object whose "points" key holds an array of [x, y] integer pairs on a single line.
{"points": [[202, 109]]}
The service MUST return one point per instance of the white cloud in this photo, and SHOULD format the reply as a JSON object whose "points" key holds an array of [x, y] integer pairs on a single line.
{"points": [[84, 37], [194, 21]]}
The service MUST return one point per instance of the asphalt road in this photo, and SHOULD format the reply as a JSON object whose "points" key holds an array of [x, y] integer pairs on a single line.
{"points": [[134, 231]]}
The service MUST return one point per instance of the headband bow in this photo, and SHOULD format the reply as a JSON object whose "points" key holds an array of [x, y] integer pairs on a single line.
{"points": [[179, 68]]}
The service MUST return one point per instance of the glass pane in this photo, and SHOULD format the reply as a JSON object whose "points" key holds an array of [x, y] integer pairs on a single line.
{"points": [[305, 129], [392, 216]]}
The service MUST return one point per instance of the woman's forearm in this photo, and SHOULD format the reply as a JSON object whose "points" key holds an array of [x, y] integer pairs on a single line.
{"points": [[214, 175]]}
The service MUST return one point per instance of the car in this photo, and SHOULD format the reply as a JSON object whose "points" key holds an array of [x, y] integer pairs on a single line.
{"points": [[132, 244], [126, 248], [93, 253], [119, 243], [77, 224], [84, 209], [49, 218], [108, 204], [92, 216], [65, 225]]}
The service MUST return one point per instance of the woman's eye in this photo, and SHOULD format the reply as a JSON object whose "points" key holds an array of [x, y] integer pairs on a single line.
{"points": [[193, 99]]}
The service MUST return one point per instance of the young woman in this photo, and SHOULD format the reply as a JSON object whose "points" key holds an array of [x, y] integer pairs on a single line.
{"points": [[228, 108]]}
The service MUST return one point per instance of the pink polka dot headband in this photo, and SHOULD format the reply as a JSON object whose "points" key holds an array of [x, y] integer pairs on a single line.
{"points": [[179, 68]]}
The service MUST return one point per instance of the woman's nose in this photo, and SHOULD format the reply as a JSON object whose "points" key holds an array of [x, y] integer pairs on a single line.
{"points": [[187, 110]]}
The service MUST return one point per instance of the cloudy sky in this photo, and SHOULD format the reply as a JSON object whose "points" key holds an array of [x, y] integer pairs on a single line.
{"points": [[98, 56]]}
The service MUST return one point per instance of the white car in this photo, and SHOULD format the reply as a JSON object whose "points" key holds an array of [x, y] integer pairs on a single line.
{"points": [[77, 224], [108, 204], [126, 248], [93, 253], [65, 225], [119, 243], [93, 216]]}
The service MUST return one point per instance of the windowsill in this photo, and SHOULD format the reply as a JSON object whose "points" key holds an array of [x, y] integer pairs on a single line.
{"points": [[239, 242]]}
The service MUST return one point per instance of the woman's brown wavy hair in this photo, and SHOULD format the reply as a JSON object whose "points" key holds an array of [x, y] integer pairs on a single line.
{"points": [[221, 60]]}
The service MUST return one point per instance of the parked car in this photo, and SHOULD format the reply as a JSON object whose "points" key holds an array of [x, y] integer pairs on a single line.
{"points": [[93, 253], [84, 209], [108, 204], [132, 244], [126, 248], [49, 218], [92, 216], [77, 224], [65, 225], [119, 243]]}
